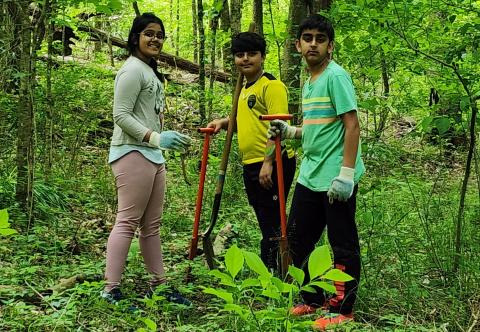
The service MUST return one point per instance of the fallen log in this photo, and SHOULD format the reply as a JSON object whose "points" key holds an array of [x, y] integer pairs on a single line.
{"points": [[169, 59]]}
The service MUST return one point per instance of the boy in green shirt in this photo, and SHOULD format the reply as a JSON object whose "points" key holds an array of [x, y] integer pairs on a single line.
{"points": [[330, 170]]}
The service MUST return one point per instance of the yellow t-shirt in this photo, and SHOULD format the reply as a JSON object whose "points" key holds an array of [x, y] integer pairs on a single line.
{"points": [[267, 95]]}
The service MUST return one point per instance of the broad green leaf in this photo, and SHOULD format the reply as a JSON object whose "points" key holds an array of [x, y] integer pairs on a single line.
{"points": [[7, 231], [277, 283], [296, 274], [255, 263], [324, 285], [308, 289], [319, 262], [337, 275], [151, 325], [272, 292], [115, 4], [225, 279], [442, 124], [3, 216], [426, 123], [224, 295], [289, 287], [265, 280], [465, 103], [234, 260], [250, 282], [243, 313]]}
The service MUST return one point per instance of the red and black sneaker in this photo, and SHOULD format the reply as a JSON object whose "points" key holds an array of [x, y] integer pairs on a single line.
{"points": [[332, 320], [303, 309]]}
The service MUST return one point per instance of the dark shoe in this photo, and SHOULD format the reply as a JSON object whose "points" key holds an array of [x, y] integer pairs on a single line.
{"points": [[170, 293], [115, 296], [112, 297]]}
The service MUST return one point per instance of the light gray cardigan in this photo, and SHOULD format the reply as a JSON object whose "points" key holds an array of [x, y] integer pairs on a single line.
{"points": [[138, 102]]}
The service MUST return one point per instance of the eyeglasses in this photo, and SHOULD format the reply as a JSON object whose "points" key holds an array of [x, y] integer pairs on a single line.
{"points": [[150, 34], [319, 38]]}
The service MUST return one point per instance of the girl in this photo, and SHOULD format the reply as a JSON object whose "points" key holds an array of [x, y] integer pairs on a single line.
{"points": [[136, 159]]}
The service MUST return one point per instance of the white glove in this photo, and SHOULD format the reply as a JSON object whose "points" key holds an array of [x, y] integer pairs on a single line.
{"points": [[279, 127], [341, 187], [170, 140]]}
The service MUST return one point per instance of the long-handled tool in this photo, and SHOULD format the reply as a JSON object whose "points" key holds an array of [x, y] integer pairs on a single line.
{"points": [[198, 204], [207, 242], [283, 242]]}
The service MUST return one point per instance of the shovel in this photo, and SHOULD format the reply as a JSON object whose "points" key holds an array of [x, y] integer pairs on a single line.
{"points": [[206, 240], [198, 204], [283, 243]]}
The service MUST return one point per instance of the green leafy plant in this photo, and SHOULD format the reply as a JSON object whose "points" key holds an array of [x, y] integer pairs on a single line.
{"points": [[262, 300], [5, 229]]}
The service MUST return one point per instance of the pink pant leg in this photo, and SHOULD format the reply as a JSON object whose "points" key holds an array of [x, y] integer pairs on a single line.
{"points": [[138, 182]]}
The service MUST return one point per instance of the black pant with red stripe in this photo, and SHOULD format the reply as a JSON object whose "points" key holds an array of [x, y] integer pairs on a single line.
{"points": [[266, 205], [310, 213]]}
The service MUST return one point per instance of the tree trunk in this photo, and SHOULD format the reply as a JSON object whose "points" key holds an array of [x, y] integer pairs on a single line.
{"points": [[135, 8], [235, 20], [463, 191], [385, 76], [195, 31], [258, 16], [10, 31], [177, 34], [49, 125], [171, 32], [225, 26], [277, 42], [213, 28], [291, 60], [201, 61], [25, 125], [97, 46], [317, 5]]}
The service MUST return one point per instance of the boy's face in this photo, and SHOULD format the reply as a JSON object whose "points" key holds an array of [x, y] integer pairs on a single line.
{"points": [[249, 63], [314, 46]]}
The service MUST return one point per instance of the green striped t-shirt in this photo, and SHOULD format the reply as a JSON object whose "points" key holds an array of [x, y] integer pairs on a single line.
{"points": [[323, 101]]}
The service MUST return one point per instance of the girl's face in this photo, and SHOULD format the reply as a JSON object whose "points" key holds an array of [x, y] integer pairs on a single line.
{"points": [[150, 42]]}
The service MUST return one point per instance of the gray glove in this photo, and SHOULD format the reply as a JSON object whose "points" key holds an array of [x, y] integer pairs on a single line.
{"points": [[170, 140], [279, 127]]}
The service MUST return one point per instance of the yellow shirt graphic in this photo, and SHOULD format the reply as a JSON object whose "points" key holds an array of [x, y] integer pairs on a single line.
{"points": [[267, 95]]}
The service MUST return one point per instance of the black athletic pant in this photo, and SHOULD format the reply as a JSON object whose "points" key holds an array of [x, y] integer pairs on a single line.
{"points": [[265, 202], [310, 213]]}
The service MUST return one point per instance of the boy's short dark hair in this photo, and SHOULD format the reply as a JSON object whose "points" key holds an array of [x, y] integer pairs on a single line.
{"points": [[319, 22], [247, 42]]}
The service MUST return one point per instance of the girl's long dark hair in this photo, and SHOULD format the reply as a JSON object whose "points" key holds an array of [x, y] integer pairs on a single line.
{"points": [[139, 24]]}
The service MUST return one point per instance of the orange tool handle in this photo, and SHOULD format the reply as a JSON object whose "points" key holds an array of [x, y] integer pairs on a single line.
{"points": [[281, 188], [198, 205], [270, 117], [278, 158], [206, 130]]}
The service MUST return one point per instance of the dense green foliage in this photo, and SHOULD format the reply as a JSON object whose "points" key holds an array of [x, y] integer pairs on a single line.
{"points": [[406, 207]]}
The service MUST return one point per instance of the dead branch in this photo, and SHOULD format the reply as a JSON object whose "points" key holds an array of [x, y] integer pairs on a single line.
{"points": [[169, 59]]}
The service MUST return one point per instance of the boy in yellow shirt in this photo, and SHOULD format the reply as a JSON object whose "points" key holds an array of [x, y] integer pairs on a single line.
{"points": [[262, 94]]}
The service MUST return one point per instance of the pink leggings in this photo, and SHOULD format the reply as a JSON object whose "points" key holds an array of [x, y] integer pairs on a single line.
{"points": [[141, 192]]}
